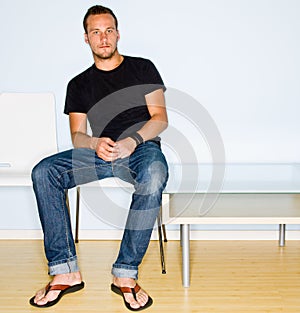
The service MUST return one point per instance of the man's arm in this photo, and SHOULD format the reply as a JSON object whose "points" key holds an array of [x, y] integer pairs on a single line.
{"points": [[157, 123], [80, 139], [159, 119], [109, 150]]}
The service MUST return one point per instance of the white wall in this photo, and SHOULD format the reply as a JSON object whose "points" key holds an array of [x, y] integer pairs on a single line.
{"points": [[238, 58]]}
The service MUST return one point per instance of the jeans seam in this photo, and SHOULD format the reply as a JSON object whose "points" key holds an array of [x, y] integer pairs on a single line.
{"points": [[79, 169], [89, 167], [66, 228], [128, 168]]}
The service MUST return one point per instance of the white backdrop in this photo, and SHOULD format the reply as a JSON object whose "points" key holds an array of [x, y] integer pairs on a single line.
{"points": [[238, 58]]}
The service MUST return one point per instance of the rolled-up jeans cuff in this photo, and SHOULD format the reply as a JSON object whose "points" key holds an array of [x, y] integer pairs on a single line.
{"points": [[71, 266], [121, 272]]}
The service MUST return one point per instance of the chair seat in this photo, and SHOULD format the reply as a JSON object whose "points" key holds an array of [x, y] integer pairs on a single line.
{"points": [[111, 182], [15, 180]]}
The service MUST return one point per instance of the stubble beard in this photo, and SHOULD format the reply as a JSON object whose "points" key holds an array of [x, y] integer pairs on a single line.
{"points": [[105, 56]]}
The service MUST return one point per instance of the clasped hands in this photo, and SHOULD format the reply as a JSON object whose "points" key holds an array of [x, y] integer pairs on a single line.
{"points": [[110, 150]]}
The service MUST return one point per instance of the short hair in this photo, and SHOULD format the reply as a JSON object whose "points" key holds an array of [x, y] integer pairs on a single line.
{"points": [[95, 10]]}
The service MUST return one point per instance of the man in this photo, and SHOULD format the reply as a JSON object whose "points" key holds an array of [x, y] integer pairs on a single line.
{"points": [[123, 99]]}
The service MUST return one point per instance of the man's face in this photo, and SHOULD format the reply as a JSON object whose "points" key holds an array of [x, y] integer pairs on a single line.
{"points": [[102, 35]]}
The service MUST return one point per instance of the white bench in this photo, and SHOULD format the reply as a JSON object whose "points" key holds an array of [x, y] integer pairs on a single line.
{"points": [[221, 194], [248, 194]]}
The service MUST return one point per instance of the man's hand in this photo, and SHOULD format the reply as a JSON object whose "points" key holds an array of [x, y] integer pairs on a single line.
{"points": [[105, 148], [124, 148]]}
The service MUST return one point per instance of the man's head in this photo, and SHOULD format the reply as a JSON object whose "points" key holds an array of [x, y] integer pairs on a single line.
{"points": [[95, 10], [101, 32]]}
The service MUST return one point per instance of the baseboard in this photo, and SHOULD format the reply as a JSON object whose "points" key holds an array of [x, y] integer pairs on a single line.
{"points": [[19, 234], [171, 235]]}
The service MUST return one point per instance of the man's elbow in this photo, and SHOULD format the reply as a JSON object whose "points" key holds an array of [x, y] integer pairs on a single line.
{"points": [[165, 124], [75, 137]]}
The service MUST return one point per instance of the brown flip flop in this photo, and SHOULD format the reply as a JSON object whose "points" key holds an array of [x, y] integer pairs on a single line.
{"points": [[64, 289], [121, 290]]}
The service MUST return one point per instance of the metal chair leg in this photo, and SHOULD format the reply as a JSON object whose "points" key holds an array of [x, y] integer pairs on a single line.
{"points": [[67, 201], [161, 247], [77, 214], [164, 232], [77, 211]]}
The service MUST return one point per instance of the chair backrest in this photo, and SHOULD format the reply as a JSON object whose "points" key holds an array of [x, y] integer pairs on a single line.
{"points": [[27, 130]]}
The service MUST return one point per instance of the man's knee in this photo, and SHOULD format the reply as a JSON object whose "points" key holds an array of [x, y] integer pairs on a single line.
{"points": [[40, 171], [47, 168], [154, 177], [158, 174]]}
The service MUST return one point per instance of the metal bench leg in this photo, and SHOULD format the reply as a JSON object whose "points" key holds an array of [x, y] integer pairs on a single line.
{"points": [[161, 247], [180, 233], [185, 229], [281, 235]]}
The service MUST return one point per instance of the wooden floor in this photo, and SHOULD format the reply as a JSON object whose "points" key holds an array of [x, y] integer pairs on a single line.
{"points": [[226, 276]]}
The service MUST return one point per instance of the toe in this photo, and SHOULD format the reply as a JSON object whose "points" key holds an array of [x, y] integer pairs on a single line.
{"points": [[39, 295], [41, 301], [42, 297], [142, 298], [129, 299]]}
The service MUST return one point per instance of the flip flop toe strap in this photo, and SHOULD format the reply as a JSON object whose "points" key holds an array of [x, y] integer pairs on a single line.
{"points": [[59, 287], [55, 287], [133, 290]]}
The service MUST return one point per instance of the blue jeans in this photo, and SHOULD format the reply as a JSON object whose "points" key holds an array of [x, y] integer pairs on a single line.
{"points": [[146, 169]]}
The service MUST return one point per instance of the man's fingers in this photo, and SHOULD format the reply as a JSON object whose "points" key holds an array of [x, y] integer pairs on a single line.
{"points": [[108, 150], [109, 142], [107, 153]]}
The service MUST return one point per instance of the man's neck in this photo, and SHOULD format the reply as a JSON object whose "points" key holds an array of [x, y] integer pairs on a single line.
{"points": [[108, 64]]}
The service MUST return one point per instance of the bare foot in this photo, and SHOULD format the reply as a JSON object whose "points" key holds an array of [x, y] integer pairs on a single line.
{"points": [[71, 279], [141, 296]]}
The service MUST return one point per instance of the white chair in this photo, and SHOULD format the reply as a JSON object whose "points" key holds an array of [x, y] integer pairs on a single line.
{"points": [[28, 134], [117, 183]]}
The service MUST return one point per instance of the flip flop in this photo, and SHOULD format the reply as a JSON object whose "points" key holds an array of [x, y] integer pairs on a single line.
{"points": [[64, 289], [121, 290]]}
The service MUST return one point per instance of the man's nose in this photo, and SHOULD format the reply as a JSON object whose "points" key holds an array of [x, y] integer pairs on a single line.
{"points": [[103, 37]]}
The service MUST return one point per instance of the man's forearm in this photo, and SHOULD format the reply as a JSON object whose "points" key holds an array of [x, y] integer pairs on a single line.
{"points": [[152, 128], [81, 140]]}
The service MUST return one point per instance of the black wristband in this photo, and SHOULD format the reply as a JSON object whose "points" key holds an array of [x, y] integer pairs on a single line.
{"points": [[137, 138]]}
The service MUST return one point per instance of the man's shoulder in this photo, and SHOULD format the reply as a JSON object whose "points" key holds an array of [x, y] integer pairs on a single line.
{"points": [[138, 60], [139, 64], [83, 75]]}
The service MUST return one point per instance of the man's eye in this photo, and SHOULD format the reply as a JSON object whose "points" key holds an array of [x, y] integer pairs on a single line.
{"points": [[95, 32]]}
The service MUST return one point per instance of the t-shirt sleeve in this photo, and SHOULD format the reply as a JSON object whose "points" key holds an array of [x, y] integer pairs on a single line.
{"points": [[73, 102], [153, 78]]}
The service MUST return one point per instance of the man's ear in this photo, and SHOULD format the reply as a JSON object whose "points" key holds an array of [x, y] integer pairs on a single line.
{"points": [[118, 35], [86, 39]]}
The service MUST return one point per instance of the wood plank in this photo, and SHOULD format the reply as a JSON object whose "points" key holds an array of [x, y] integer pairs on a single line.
{"points": [[226, 276]]}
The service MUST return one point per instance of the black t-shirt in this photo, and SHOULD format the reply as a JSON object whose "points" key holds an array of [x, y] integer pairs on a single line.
{"points": [[114, 101]]}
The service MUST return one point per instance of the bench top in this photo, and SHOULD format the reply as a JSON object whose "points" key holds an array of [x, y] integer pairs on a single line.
{"points": [[234, 178], [233, 209]]}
